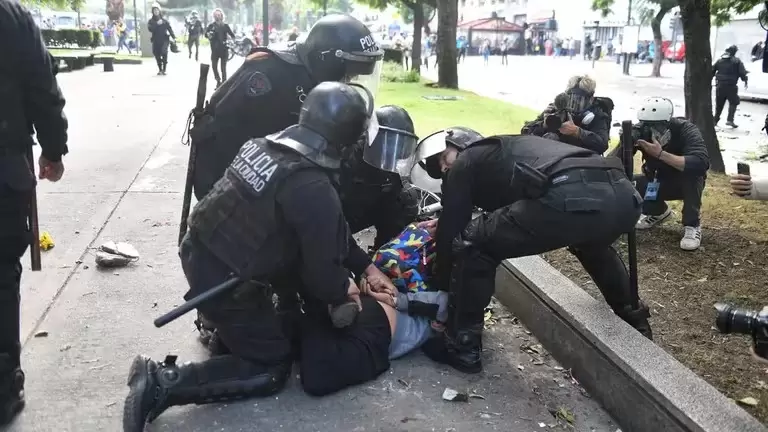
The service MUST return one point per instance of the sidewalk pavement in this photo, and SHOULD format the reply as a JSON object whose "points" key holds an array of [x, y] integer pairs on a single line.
{"points": [[82, 326]]}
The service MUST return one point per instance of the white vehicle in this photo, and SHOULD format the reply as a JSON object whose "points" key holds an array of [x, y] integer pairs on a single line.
{"points": [[758, 82]]}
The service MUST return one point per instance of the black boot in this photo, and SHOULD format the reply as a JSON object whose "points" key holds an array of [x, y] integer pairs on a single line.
{"points": [[11, 394], [155, 387], [731, 115], [638, 318], [461, 351]]}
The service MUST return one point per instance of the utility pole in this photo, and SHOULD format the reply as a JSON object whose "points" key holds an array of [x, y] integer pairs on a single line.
{"points": [[265, 22], [624, 42]]}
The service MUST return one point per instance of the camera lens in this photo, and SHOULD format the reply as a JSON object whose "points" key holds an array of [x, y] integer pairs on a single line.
{"points": [[732, 320]]}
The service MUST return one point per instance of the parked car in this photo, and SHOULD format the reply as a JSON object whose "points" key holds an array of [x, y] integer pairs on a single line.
{"points": [[675, 53]]}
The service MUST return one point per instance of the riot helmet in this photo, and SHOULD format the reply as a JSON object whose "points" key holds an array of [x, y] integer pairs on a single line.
{"points": [[430, 150], [580, 92], [394, 143], [341, 48], [732, 50], [654, 116], [332, 119]]}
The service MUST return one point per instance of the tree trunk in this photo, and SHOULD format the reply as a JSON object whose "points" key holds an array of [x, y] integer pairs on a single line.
{"points": [[447, 18], [418, 25], [695, 15], [658, 55]]}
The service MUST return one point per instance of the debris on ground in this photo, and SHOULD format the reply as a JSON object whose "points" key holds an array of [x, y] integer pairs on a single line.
{"points": [[111, 254], [748, 401], [41, 334], [452, 395], [46, 241], [565, 414]]}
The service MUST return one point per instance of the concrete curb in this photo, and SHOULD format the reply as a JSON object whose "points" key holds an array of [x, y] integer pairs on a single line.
{"points": [[638, 383]]}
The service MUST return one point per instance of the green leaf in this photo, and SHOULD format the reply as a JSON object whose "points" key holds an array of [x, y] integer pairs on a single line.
{"points": [[565, 415]]}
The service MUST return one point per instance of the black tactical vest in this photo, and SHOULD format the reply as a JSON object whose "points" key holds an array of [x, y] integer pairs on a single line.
{"points": [[727, 71], [546, 156], [264, 96], [238, 220]]}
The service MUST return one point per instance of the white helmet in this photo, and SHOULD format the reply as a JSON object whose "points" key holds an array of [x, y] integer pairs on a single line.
{"points": [[655, 109]]}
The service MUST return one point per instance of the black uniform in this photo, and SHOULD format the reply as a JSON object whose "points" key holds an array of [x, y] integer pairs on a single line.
{"points": [[262, 97], [161, 33], [217, 33], [727, 71], [594, 136], [30, 99], [274, 220], [194, 30], [589, 203]]}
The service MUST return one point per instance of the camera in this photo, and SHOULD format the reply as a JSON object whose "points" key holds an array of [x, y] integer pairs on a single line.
{"points": [[554, 120], [754, 323], [641, 131]]}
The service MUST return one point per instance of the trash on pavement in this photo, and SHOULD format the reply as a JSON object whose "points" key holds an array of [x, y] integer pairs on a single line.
{"points": [[46, 241], [112, 254], [452, 395]]}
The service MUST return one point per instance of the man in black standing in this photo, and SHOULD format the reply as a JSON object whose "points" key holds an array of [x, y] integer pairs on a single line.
{"points": [[217, 32], [194, 30], [727, 71], [32, 102]]}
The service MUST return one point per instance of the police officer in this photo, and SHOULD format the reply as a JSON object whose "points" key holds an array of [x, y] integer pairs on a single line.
{"points": [[265, 94], [30, 99], [373, 196], [559, 196], [576, 117], [370, 195], [194, 30], [274, 219], [727, 70]]}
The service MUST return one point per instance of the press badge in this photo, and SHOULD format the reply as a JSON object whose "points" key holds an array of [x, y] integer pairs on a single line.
{"points": [[652, 190]]}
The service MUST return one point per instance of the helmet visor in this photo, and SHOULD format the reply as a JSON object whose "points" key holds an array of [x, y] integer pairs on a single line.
{"points": [[421, 178], [367, 74], [391, 150]]}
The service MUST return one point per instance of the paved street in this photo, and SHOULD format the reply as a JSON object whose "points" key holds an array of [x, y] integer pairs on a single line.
{"points": [[534, 81], [82, 326]]}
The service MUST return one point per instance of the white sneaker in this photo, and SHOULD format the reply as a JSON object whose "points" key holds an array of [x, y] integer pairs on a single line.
{"points": [[647, 221], [691, 239]]}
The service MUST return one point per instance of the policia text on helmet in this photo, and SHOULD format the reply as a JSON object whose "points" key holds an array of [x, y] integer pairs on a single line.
{"points": [[339, 47]]}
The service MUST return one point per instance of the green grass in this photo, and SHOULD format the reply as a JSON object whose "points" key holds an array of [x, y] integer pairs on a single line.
{"points": [[485, 115], [58, 52], [119, 56]]}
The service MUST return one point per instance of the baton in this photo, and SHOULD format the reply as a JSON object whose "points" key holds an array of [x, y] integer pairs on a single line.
{"points": [[194, 302], [34, 227], [628, 160], [196, 113]]}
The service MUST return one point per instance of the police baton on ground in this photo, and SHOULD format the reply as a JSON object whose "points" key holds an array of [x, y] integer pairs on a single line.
{"points": [[212, 293], [627, 159], [194, 115], [34, 227]]}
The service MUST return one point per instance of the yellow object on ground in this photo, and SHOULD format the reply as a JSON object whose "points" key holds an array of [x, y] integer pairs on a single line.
{"points": [[46, 241]]}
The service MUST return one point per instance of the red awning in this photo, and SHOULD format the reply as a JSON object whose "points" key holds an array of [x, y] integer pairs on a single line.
{"points": [[499, 24]]}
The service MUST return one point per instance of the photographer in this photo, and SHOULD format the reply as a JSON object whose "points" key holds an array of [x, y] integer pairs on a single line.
{"points": [[675, 164], [576, 117]]}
